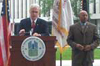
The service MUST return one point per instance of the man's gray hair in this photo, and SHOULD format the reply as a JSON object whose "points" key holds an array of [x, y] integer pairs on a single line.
{"points": [[34, 5]]}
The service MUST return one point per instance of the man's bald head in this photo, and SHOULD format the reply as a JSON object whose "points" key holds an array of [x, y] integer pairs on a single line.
{"points": [[83, 15], [83, 12]]}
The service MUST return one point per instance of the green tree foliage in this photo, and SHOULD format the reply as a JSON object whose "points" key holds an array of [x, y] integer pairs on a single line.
{"points": [[46, 6], [76, 6]]}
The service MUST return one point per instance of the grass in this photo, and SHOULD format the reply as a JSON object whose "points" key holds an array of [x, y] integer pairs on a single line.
{"points": [[66, 55], [97, 53]]}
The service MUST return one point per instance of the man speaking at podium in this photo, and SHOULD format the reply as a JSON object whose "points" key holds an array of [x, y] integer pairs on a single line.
{"points": [[34, 25]]}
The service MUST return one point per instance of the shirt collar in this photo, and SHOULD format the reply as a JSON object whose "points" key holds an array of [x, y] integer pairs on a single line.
{"points": [[34, 20], [83, 23]]}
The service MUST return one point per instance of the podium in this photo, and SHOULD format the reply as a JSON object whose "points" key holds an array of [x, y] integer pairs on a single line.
{"points": [[48, 59]]}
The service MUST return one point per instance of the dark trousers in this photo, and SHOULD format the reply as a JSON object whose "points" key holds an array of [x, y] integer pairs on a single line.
{"points": [[87, 63], [83, 64]]}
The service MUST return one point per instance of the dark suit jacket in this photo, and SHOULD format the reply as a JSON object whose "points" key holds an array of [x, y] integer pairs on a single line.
{"points": [[41, 26], [87, 37]]}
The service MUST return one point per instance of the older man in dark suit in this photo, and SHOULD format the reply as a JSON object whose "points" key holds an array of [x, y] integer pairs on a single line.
{"points": [[34, 25], [83, 39]]}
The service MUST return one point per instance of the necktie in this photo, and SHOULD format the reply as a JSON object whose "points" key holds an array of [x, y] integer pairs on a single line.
{"points": [[32, 27], [83, 28], [33, 24]]}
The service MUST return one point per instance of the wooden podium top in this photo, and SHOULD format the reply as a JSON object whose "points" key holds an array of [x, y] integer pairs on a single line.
{"points": [[44, 38]]}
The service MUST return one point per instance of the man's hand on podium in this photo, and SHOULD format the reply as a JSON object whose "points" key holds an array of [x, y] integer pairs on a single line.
{"points": [[36, 34], [22, 32]]}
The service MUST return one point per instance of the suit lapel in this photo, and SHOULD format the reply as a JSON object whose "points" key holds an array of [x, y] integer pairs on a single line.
{"points": [[86, 27], [79, 27], [37, 23], [28, 23]]}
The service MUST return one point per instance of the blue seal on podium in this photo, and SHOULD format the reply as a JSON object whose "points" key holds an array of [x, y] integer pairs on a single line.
{"points": [[33, 48]]}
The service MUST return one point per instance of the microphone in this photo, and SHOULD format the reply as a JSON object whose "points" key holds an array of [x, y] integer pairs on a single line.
{"points": [[27, 33], [31, 31]]}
